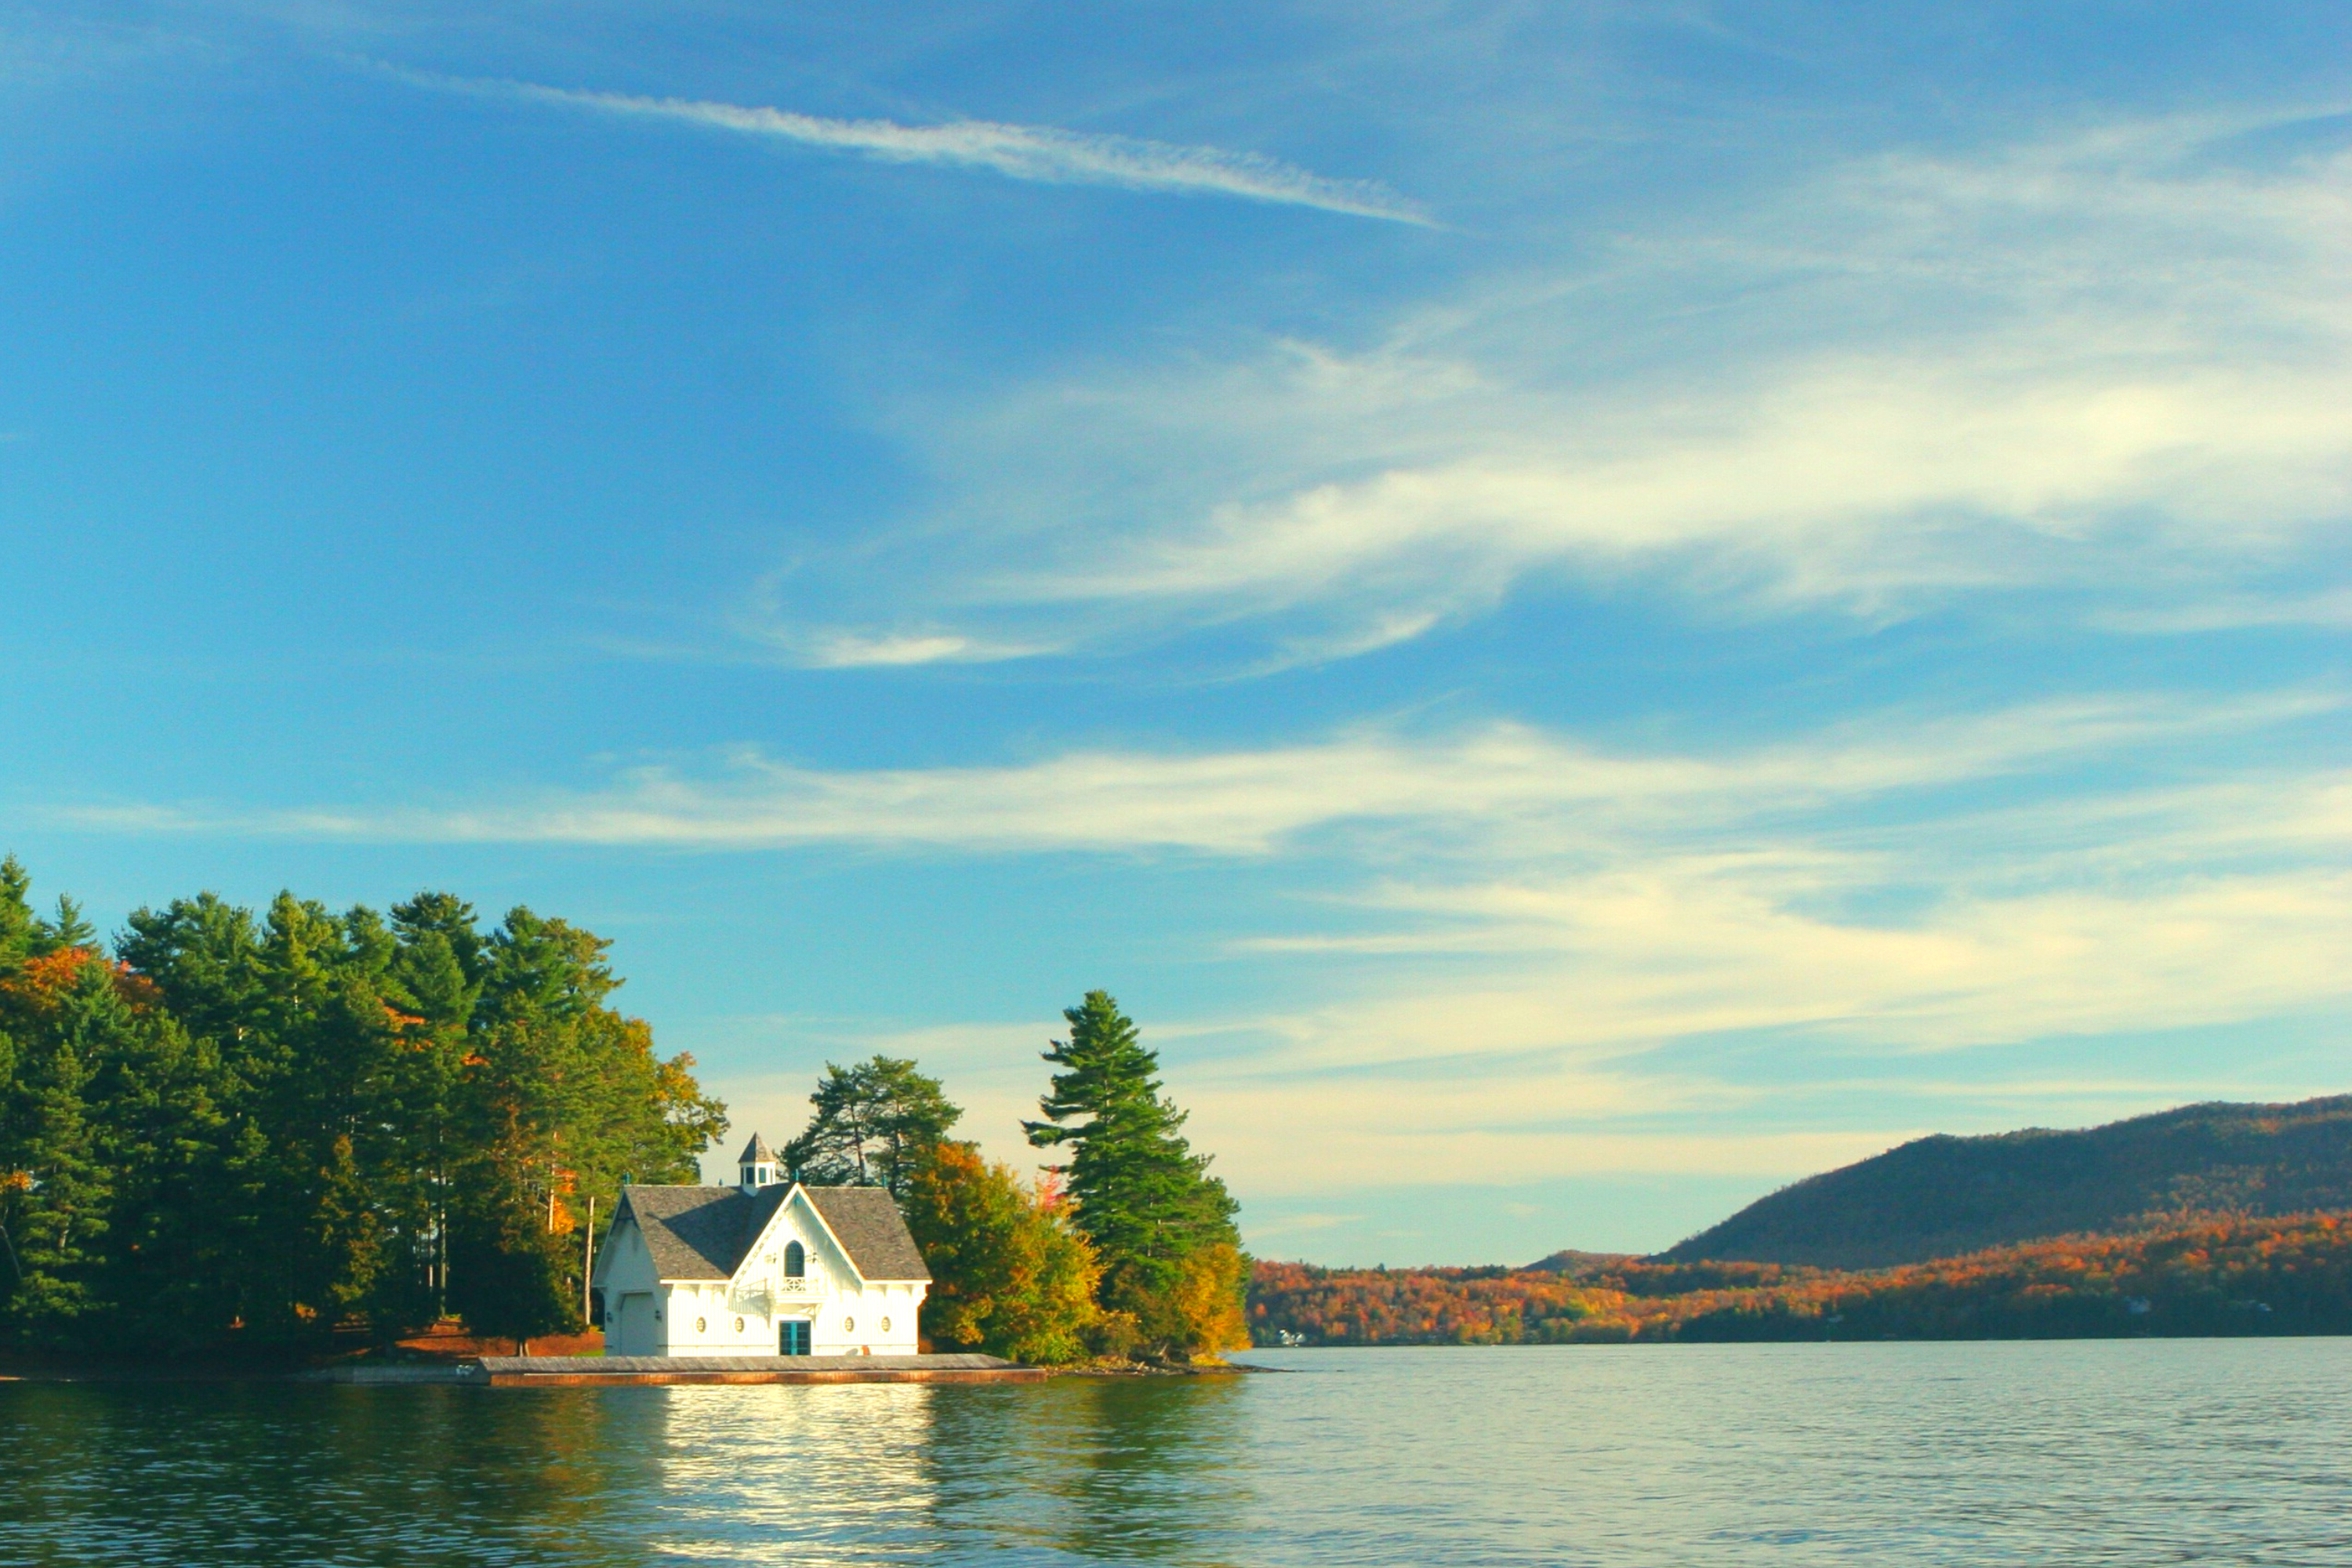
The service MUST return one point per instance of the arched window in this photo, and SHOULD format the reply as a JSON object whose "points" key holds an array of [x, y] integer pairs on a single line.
{"points": [[795, 1260]]}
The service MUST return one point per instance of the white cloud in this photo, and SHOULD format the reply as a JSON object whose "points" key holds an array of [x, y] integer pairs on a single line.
{"points": [[2115, 363], [1505, 784], [1522, 923], [1519, 1037], [1662, 947], [1868, 483], [1035, 152], [851, 651]]}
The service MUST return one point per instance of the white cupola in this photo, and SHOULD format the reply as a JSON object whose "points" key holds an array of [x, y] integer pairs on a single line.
{"points": [[758, 1164]]}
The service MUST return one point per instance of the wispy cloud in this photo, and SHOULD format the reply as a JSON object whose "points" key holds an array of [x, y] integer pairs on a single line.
{"points": [[857, 650], [1505, 781], [1508, 930], [1043, 153], [2289, 608], [2114, 362]]}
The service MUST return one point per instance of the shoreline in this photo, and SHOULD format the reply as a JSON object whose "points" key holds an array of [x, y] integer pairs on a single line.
{"points": [[551, 1372]]}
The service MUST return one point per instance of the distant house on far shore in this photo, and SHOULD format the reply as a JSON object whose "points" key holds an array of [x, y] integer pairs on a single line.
{"points": [[765, 1268]]}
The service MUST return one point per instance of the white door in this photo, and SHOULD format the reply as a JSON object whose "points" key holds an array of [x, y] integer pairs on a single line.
{"points": [[636, 1325]]}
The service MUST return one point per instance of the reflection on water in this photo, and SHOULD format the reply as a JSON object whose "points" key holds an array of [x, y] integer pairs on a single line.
{"points": [[1116, 1469], [737, 1470], [1077, 1470], [265, 1473], [2127, 1453]]}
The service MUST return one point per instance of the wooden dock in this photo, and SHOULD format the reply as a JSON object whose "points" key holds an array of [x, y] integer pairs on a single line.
{"points": [[572, 1372]]}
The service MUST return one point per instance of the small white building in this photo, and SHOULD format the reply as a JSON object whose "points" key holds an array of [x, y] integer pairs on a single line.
{"points": [[764, 1268]]}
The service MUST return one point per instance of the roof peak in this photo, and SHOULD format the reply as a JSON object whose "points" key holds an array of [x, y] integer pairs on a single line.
{"points": [[756, 1153]]}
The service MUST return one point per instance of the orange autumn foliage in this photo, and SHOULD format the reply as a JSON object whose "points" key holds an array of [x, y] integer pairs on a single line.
{"points": [[2220, 1276], [40, 984]]}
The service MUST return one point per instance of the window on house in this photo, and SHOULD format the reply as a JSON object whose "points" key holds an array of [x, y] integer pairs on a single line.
{"points": [[795, 1260]]}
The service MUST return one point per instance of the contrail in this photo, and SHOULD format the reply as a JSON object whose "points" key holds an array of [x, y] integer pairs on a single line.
{"points": [[1018, 152]]}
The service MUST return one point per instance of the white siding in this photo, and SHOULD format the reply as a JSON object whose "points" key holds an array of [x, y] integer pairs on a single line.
{"points": [[846, 1315], [649, 1316]]}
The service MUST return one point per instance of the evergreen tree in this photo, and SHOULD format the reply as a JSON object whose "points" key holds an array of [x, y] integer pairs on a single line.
{"points": [[24, 935], [203, 954], [17, 922], [874, 1123], [313, 1120], [562, 1096], [163, 1131], [54, 1191], [68, 929], [436, 980], [508, 1269], [1142, 1197]]}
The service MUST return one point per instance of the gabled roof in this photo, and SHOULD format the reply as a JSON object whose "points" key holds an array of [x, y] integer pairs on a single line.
{"points": [[701, 1233], [705, 1233], [866, 1222], [756, 1153]]}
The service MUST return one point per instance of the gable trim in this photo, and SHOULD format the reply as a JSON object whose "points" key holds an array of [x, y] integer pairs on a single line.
{"points": [[839, 1246]]}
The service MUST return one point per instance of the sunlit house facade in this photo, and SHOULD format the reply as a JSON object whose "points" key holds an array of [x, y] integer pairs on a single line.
{"points": [[767, 1266]]}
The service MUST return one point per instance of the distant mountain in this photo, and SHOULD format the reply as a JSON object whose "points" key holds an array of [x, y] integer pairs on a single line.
{"points": [[1942, 1196], [1576, 1265]]}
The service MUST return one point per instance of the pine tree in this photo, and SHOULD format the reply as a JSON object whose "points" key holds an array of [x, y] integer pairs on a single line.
{"points": [[17, 922], [55, 1195], [158, 1091], [562, 1096], [52, 1196], [436, 980], [1142, 1197], [874, 1123], [68, 929], [312, 1118]]}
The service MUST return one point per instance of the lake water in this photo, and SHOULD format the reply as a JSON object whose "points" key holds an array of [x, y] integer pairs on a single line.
{"points": [[2141, 1452]]}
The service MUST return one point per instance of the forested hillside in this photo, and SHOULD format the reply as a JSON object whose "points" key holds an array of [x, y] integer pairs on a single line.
{"points": [[1942, 1196], [232, 1130], [2291, 1276]]}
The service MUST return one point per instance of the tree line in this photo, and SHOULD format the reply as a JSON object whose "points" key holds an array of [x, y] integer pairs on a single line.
{"points": [[2232, 1276], [237, 1130], [1127, 1250], [248, 1130]]}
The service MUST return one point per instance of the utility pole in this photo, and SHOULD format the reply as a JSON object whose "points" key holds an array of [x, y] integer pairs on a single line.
{"points": [[587, 1261]]}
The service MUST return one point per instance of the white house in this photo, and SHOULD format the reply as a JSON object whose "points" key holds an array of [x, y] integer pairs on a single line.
{"points": [[764, 1268]]}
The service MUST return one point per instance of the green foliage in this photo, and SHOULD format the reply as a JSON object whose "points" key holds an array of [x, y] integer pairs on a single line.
{"points": [[508, 1271], [1161, 1225], [261, 1128], [1009, 1276], [55, 1202], [874, 1123], [17, 922]]}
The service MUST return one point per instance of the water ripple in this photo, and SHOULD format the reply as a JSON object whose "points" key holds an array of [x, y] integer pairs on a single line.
{"points": [[1709, 1457]]}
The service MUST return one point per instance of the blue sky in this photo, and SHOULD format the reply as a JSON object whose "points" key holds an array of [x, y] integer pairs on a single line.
{"points": [[1584, 610]]}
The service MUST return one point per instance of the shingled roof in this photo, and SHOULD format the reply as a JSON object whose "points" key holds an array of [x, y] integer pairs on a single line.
{"points": [[704, 1233], [868, 1225], [701, 1233]]}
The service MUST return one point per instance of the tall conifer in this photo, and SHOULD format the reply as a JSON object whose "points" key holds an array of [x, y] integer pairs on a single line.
{"points": [[1141, 1197], [278, 1124], [874, 1123]]}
